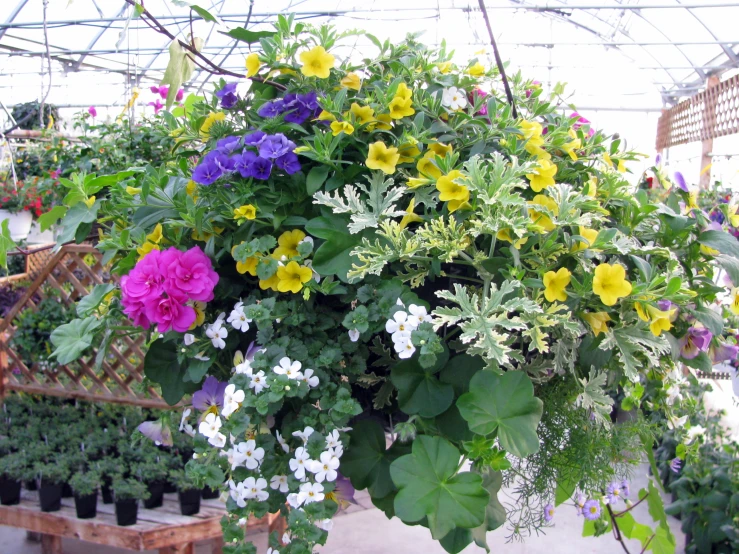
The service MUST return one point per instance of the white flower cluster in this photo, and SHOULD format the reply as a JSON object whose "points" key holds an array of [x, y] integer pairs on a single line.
{"points": [[211, 425], [292, 371], [323, 469], [217, 333], [402, 324], [238, 319]]}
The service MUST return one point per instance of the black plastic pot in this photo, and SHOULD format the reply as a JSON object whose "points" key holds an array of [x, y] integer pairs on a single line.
{"points": [[31, 485], [50, 497], [107, 494], [169, 487], [210, 494], [126, 511], [156, 495], [189, 502], [67, 491], [10, 491], [86, 506]]}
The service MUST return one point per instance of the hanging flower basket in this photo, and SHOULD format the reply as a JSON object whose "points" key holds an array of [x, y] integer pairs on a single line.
{"points": [[19, 223]]}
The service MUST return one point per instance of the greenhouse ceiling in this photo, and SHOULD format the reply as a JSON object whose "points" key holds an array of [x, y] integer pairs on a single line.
{"points": [[635, 55]]}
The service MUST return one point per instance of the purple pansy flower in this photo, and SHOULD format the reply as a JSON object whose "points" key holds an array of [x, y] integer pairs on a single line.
{"points": [[207, 173], [695, 341], [228, 145], [227, 96], [274, 146], [252, 350], [288, 163], [255, 138], [210, 396], [244, 164], [344, 492], [548, 513], [724, 352], [157, 431], [680, 181], [261, 168], [591, 509], [675, 464]]}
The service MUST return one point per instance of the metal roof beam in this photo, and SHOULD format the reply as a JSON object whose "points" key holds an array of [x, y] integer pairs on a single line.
{"points": [[9, 22]]}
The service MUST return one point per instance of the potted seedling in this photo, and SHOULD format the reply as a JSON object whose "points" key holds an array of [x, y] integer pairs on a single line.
{"points": [[12, 468], [107, 468], [85, 486], [188, 492], [52, 477], [127, 493], [154, 474]]}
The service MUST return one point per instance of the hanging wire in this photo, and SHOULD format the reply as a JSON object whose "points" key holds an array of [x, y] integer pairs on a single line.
{"points": [[48, 61], [498, 60]]}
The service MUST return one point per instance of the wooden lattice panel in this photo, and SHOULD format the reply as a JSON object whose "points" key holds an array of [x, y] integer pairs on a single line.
{"points": [[73, 271], [709, 114]]}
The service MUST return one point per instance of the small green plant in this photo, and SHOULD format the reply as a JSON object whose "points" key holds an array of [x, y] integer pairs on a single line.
{"points": [[14, 466], [34, 327], [151, 471], [55, 473], [182, 480], [129, 489], [85, 483]]}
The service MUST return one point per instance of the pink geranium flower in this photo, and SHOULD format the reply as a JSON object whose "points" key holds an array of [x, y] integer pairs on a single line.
{"points": [[169, 313], [145, 280], [189, 274]]}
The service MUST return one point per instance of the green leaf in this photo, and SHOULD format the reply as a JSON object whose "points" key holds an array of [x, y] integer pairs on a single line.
{"points": [[316, 177], [205, 14], [566, 486], [494, 511], [6, 243], [52, 216], [657, 510], [367, 463], [712, 320], [504, 404], [456, 540], [419, 390], [76, 217], [701, 362], [179, 67], [250, 37], [459, 371], [89, 303], [431, 487], [73, 338], [721, 241], [731, 266], [161, 366], [333, 257]]}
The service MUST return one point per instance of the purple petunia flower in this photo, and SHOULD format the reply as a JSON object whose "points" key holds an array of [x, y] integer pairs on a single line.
{"points": [[288, 163], [548, 513], [180, 95], [695, 341], [207, 173], [225, 162], [157, 431], [228, 145], [298, 115], [227, 96], [244, 164], [591, 509], [210, 396], [255, 138], [271, 109], [274, 146], [261, 168], [724, 352], [675, 465], [309, 100], [680, 181]]}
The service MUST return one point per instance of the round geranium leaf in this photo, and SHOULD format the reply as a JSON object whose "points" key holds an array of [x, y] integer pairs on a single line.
{"points": [[419, 390], [431, 487], [504, 404]]}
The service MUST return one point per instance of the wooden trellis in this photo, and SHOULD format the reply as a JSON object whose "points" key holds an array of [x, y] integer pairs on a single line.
{"points": [[73, 271]]}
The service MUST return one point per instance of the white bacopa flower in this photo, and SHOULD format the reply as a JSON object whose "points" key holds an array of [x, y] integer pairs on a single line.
{"points": [[399, 322], [218, 440], [292, 500], [337, 451], [418, 314], [401, 336], [238, 319], [676, 422], [244, 368], [254, 488], [404, 349], [216, 332], [453, 98], [333, 440], [289, 368], [251, 454], [309, 379], [299, 463], [281, 442], [238, 493], [399, 302], [315, 275], [286, 538], [201, 357], [189, 338], [304, 434], [232, 399], [258, 382], [310, 492], [242, 521], [183, 421], [325, 467], [307, 239], [279, 482], [210, 426], [354, 335], [694, 432], [325, 524]]}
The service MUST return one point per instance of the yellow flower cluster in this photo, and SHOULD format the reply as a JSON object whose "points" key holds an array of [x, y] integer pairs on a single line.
{"points": [[659, 320], [152, 241], [532, 132], [244, 213], [401, 105], [316, 63], [543, 175]]}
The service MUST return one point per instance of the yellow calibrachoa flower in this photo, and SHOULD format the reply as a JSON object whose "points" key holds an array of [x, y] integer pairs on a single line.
{"points": [[573, 145], [325, 116], [733, 216], [292, 277], [621, 166], [591, 187], [90, 201], [316, 63], [597, 321], [352, 81], [708, 251], [532, 131], [415, 182], [400, 108], [476, 70], [252, 65], [590, 234], [199, 308], [145, 248], [209, 121], [408, 152], [383, 158], [247, 211], [543, 176], [132, 191], [403, 92], [287, 244], [444, 67], [457, 195], [438, 149], [607, 160], [409, 216], [270, 283], [505, 235], [555, 284], [341, 127], [659, 319], [734, 306], [364, 114], [540, 219], [609, 282], [384, 122], [249, 266], [152, 241], [156, 235]]}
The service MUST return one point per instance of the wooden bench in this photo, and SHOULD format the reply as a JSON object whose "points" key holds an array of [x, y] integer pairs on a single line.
{"points": [[164, 529]]}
